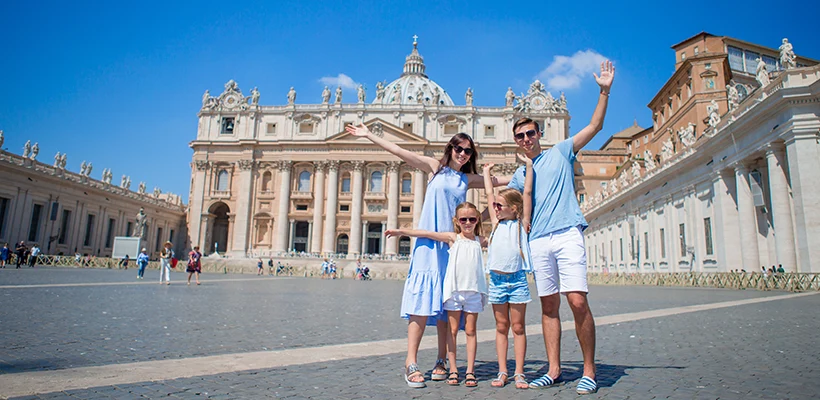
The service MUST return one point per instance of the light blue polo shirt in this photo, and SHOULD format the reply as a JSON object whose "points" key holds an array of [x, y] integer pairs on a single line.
{"points": [[554, 206]]}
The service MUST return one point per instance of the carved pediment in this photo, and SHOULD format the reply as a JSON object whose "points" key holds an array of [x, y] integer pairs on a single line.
{"points": [[380, 128]]}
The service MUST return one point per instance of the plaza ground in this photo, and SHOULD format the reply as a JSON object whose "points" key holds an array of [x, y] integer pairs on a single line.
{"points": [[83, 333]]}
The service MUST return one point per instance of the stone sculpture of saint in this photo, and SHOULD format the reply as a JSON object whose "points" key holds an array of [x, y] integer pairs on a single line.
{"points": [[88, 169], [562, 102], [27, 149], [206, 99], [291, 95], [139, 229], [509, 97], [468, 97], [636, 171], [787, 56], [122, 182], [667, 150], [437, 96], [2, 138], [325, 95], [57, 160], [83, 167], [420, 96], [255, 96], [761, 74], [63, 161], [35, 150], [361, 94], [397, 94], [648, 160], [338, 95], [379, 91], [714, 116], [141, 188], [128, 183], [733, 96]]}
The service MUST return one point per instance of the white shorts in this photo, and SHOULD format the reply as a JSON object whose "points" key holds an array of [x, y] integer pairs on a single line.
{"points": [[559, 262], [467, 301]]}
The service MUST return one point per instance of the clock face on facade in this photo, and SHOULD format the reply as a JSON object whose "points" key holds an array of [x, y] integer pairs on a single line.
{"points": [[538, 102], [230, 101]]}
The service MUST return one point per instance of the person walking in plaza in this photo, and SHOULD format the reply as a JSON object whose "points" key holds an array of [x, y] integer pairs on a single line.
{"points": [[21, 250], [270, 266], [422, 304], [465, 284], [556, 238], [260, 267], [124, 262], [194, 264], [508, 262], [142, 262], [32, 258], [5, 253], [165, 257]]}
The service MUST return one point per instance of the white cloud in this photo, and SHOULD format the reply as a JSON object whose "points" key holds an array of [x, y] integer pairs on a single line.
{"points": [[568, 72], [342, 80]]}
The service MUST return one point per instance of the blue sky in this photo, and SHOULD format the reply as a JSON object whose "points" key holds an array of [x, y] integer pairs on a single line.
{"points": [[120, 84]]}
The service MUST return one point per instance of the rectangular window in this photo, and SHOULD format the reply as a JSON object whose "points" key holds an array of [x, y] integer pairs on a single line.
{"points": [[405, 185], [735, 58], [271, 130], [408, 127], [344, 207], [109, 236], [622, 248], [489, 130], [34, 226], [682, 240], [646, 245], [346, 184], [89, 230], [751, 61], [65, 224], [405, 209], [128, 229], [301, 207], [771, 63], [306, 127], [707, 226], [171, 236], [4, 207], [663, 245], [697, 50], [682, 56], [158, 241], [227, 125], [581, 198]]}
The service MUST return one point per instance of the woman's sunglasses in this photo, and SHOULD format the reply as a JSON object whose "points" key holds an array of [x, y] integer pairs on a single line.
{"points": [[530, 134], [471, 220], [458, 149]]}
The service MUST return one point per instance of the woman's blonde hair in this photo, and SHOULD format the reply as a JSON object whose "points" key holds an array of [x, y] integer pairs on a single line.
{"points": [[457, 227]]}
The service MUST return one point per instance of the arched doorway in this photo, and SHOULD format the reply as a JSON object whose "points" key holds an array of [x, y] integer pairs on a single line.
{"points": [[300, 236], [341, 244], [219, 228], [374, 238]]}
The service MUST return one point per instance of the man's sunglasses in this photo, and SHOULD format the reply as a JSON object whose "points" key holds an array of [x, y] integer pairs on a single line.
{"points": [[458, 149], [471, 220], [530, 134]]}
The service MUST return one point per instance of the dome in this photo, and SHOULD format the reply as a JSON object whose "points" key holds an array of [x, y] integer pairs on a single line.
{"points": [[412, 85]]}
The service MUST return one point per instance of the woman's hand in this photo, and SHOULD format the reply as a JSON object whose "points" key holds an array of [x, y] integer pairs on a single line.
{"points": [[360, 131]]}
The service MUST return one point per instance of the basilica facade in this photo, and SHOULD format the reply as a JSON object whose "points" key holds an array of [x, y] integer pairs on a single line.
{"points": [[276, 179]]}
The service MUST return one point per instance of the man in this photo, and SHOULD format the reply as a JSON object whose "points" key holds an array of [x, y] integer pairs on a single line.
{"points": [[556, 238], [21, 251]]}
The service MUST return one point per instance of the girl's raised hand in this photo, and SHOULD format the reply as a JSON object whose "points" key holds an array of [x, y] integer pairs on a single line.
{"points": [[388, 233], [488, 167], [360, 130], [524, 158]]}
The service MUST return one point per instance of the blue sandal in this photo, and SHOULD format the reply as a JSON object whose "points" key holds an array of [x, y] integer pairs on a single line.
{"points": [[587, 385], [413, 370], [544, 382]]}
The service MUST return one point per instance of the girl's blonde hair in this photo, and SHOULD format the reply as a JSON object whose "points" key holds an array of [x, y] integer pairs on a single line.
{"points": [[514, 199], [457, 227]]}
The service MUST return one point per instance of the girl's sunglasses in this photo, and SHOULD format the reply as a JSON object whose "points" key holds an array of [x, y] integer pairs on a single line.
{"points": [[498, 206], [471, 220], [458, 149]]}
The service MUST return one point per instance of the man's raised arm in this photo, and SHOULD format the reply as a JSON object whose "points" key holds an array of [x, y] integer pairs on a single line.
{"points": [[597, 123]]}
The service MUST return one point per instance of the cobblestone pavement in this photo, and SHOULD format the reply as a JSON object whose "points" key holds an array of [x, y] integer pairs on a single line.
{"points": [[762, 350]]}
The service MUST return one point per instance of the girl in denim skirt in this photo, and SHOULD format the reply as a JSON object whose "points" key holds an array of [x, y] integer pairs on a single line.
{"points": [[508, 261]]}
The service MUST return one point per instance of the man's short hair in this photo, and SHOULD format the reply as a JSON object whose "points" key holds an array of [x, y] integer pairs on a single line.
{"points": [[525, 121]]}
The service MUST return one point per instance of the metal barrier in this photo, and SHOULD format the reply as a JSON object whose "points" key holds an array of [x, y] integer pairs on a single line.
{"points": [[793, 282], [82, 262]]}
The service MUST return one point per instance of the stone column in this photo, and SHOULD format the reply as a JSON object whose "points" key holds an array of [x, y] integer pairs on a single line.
{"points": [[195, 211], [309, 245], [284, 167], [356, 210], [391, 246], [329, 240], [291, 232], [318, 205], [726, 242], [746, 217], [781, 205], [364, 237], [241, 232], [382, 241], [803, 152], [419, 184]]}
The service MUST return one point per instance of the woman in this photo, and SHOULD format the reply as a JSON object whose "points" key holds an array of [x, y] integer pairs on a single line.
{"points": [[452, 175], [165, 263], [194, 265]]}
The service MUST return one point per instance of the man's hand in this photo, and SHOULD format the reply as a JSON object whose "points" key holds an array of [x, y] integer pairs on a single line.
{"points": [[607, 75]]}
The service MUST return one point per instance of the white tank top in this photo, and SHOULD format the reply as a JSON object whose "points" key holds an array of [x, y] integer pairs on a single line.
{"points": [[507, 244]]}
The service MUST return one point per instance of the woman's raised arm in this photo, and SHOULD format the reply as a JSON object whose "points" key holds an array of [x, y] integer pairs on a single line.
{"points": [[424, 163]]}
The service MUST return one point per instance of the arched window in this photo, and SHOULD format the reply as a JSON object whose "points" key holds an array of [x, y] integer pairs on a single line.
{"points": [[266, 178], [222, 180], [304, 182], [346, 183], [376, 181], [341, 244], [405, 184]]}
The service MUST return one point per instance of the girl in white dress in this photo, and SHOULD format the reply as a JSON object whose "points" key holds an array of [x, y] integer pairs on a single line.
{"points": [[465, 282], [508, 263]]}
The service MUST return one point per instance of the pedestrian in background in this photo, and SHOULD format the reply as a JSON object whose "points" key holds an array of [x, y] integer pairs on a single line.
{"points": [[5, 253], [21, 251], [142, 262], [165, 257], [124, 261], [194, 265]]}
